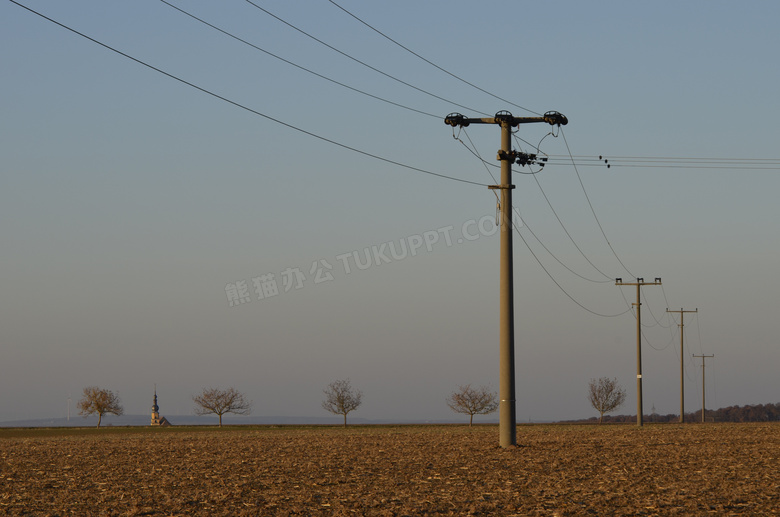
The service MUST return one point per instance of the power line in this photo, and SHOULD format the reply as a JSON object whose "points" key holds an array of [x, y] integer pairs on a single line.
{"points": [[667, 162], [356, 60], [246, 108], [431, 62], [566, 231], [514, 209], [657, 348], [557, 217], [593, 211], [287, 61], [560, 286], [690, 361], [485, 163], [657, 322], [525, 224], [667, 158]]}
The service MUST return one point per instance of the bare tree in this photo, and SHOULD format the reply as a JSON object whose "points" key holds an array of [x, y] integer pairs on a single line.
{"points": [[100, 401], [605, 395], [341, 398], [220, 402], [473, 401]]}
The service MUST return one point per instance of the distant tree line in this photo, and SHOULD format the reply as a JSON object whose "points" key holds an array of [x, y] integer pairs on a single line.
{"points": [[755, 413], [747, 413]]}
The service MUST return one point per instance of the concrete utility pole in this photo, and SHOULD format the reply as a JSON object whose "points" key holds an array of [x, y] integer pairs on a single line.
{"points": [[639, 283], [682, 363], [507, 409], [703, 360]]}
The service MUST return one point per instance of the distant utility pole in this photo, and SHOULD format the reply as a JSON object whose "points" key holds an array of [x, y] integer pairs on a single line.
{"points": [[507, 156], [639, 283], [703, 360], [682, 363]]}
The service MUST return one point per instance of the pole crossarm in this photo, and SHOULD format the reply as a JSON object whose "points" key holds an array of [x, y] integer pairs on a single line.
{"points": [[553, 118], [639, 281], [507, 121]]}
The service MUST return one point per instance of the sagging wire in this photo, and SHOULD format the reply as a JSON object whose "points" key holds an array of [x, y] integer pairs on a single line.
{"points": [[647, 304], [244, 107], [593, 211], [561, 287], [557, 217], [473, 150], [428, 61], [671, 341], [287, 61], [689, 362], [516, 212], [356, 60]]}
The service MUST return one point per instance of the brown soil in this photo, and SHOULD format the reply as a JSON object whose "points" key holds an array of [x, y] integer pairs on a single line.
{"points": [[719, 469]]}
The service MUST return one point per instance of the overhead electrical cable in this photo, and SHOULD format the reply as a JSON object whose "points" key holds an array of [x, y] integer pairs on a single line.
{"points": [[560, 286], [667, 162], [356, 60], [473, 150], [431, 62], [650, 344], [515, 211], [525, 223], [689, 362], [698, 331], [287, 61], [628, 304], [246, 108], [566, 231], [663, 291], [650, 310], [557, 217], [593, 211]]}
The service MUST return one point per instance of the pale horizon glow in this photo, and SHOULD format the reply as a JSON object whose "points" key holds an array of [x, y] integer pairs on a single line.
{"points": [[155, 234]]}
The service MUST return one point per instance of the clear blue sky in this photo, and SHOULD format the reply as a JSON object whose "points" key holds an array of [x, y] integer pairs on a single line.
{"points": [[130, 201]]}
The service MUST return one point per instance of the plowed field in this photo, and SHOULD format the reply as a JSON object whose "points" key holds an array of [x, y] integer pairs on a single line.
{"points": [[717, 469]]}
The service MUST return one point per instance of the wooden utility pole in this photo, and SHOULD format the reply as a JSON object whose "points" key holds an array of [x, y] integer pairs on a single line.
{"points": [[682, 363], [639, 283], [703, 360], [507, 409]]}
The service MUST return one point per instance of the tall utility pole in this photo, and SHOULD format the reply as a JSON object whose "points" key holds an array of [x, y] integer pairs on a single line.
{"points": [[703, 360], [507, 409], [682, 363], [639, 283]]}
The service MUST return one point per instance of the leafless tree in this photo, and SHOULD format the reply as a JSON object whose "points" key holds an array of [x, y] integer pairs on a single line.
{"points": [[341, 398], [473, 401], [219, 402], [605, 395], [100, 401]]}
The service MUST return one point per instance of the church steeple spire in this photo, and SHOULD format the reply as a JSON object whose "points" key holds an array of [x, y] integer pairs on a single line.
{"points": [[155, 407]]}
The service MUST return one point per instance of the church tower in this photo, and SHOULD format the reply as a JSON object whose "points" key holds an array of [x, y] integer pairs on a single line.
{"points": [[155, 409], [156, 418]]}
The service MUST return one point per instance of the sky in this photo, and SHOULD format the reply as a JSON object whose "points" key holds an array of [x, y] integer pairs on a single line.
{"points": [[189, 211]]}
